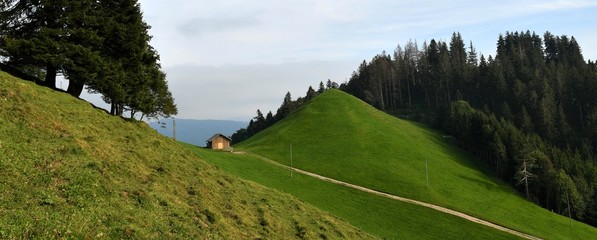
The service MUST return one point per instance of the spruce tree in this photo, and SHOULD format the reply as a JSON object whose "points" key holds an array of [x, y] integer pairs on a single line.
{"points": [[48, 35], [310, 94], [285, 108], [101, 44], [321, 88]]}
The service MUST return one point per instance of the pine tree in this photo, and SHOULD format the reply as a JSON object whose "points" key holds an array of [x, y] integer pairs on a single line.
{"points": [[49, 35], [458, 65], [321, 88], [310, 94], [285, 108], [101, 44], [269, 119], [328, 84]]}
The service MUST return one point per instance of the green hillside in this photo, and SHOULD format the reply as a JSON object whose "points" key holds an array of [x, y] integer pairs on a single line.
{"points": [[339, 136], [68, 170], [376, 215]]}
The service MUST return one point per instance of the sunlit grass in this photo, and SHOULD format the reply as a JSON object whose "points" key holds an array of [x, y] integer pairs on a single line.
{"points": [[380, 216], [69, 171]]}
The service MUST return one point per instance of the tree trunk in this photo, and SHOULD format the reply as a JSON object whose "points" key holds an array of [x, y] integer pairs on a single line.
{"points": [[400, 92], [497, 166], [408, 90], [381, 100], [547, 198], [116, 109], [50, 80], [75, 88], [427, 97], [112, 108], [582, 120]]}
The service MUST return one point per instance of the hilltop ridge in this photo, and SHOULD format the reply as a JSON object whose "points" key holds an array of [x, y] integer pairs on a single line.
{"points": [[339, 136]]}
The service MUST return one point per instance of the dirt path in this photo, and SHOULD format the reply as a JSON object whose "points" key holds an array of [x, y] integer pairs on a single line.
{"points": [[402, 199]]}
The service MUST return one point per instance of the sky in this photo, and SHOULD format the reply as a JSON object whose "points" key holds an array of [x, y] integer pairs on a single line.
{"points": [[225, 59]]}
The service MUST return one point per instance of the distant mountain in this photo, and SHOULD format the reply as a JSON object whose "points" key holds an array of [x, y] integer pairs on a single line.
{"points": [[196, 132]]}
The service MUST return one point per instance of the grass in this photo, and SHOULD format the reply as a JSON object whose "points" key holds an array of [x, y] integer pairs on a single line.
{"points": [[339, 136], [379, 216], [69, 171]]}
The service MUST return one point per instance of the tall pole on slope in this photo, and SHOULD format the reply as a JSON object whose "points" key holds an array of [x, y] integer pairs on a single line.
{"points": [[173, 128], [426, 173], [569, 214], [291, 170]]}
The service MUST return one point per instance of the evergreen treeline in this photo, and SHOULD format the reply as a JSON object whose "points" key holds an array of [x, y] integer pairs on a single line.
{"points": [[530, 112], [103, 45], [259, 122]]}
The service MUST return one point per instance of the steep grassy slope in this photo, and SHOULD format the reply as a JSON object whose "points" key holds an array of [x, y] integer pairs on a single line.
{"points": [[68, 170], [339, 136], [377, 215]]}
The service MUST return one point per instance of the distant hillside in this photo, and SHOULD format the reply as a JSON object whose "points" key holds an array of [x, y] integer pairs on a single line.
{"points": [[342, 137], [196, 132], [69, 171], [531, 103]]}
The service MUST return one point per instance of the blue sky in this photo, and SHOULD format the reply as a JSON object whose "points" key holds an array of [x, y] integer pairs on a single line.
{"points": [[225, 59]]}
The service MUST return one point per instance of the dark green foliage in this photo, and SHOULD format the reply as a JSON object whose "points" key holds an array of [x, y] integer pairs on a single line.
{"points": [[538, 101], [510, 151], [135, 81], [310, 94], [259, 123], [321, 88], [329, 84], [103, 45], [52, 36]]}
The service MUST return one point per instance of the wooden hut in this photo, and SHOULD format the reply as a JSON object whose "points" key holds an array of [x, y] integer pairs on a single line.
{"points": [[218, 141]]}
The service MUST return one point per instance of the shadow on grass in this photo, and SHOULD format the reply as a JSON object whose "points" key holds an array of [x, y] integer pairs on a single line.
{"points": [[460, 156]]}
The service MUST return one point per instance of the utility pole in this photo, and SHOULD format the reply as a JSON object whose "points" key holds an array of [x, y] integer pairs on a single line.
{"points": [[569, 214], [427, 173], [173, 128], [291, 170]]}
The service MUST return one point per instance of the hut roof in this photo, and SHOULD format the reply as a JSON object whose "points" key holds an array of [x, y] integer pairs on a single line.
{"points": [[216, 135]]}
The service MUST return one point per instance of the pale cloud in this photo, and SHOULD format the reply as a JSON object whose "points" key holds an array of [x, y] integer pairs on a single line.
{"points": [[199, 26], [249, 53], [237, 91], [564, 4], [246, 32]]}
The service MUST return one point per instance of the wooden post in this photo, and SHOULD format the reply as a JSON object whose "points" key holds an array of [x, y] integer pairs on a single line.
{"points": [[569, 214], [291, 170], [427, 173], [173, 128]]}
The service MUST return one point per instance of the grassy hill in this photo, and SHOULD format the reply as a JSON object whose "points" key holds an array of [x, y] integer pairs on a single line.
{"points": [[339, 136], [68, 170], [377, 215]]}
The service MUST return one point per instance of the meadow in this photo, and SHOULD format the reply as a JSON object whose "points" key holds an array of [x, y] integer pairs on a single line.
{"points": [[376, 215], [339, 136], [71, 171]]}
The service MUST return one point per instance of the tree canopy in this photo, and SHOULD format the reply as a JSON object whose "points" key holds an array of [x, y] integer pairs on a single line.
{"points": [[103, 45]]}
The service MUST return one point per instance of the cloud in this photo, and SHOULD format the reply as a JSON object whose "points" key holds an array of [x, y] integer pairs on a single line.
{"points": [[235, 92], [564, 5], [200, 26], [247, 54]]}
